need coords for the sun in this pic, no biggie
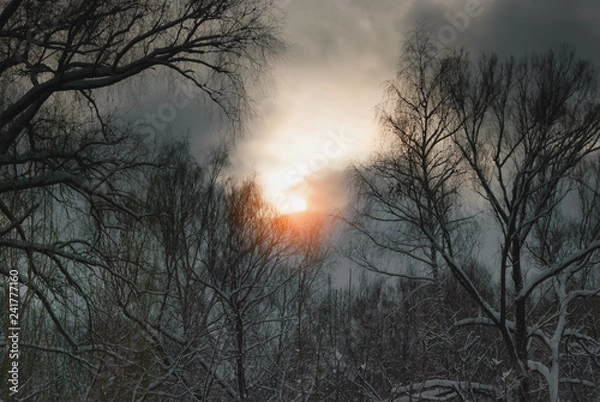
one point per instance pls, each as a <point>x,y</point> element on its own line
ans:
<point>293,203</point>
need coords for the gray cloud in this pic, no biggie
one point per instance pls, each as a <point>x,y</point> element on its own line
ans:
<point>518,27</point>
<point>159,105</point>
<point>326,32</point>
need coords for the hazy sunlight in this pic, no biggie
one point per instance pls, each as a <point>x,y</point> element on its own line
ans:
<point>292,203</point>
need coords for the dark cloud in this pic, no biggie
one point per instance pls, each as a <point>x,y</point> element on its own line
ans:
<point>516,26</point>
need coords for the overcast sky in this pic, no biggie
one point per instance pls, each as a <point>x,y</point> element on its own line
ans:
<point>317,113</point>
<point>320,112</point>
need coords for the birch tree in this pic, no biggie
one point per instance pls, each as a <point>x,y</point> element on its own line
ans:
<point>411,184</point>
<point>410,211</point>
<point>522,129</point>
<point>525,127</point>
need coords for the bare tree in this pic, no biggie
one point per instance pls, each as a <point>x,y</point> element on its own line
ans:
<point>411,184</point>
<point>521,129</point>
<point>54,57</point>
<point>228,257</point>
<point>409,211</point>
<point>253,256</point>
<point>525,127</point>
<point>64,162</point>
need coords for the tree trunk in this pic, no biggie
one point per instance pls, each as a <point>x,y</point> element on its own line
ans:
<point>522,354</point>
<point>240,359</point>
<point>520,324</point>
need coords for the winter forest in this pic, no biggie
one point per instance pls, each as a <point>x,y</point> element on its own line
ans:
<point>136,270</point>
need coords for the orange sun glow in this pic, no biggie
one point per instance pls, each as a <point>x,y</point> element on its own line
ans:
<point>293,203</point>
